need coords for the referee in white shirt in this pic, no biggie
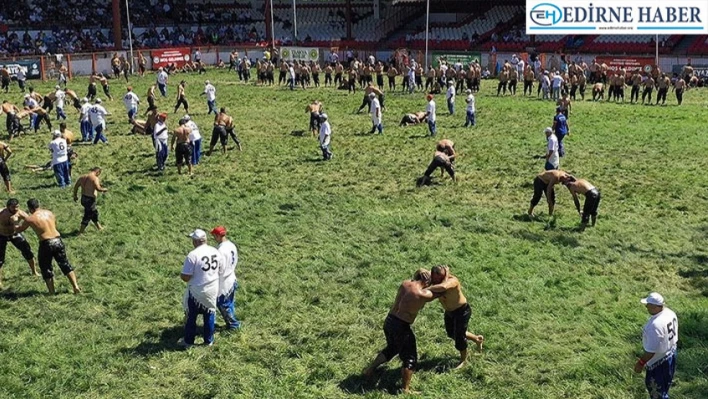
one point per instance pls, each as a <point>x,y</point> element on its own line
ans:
<point>659,338</point>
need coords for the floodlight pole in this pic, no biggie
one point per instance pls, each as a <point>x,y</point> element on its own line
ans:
<point>656,43</point>
<point>272,27</point>
<point>427,25</point>
<point>295,22</point>
<point>130,37</point>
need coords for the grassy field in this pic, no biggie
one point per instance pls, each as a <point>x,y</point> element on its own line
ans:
<point>324,245</point>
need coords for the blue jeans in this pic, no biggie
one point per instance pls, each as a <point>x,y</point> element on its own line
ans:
<point>561,147</point>
<point>61,172</point>
<point>86,131</point>
<point>60,114</point>
<point>99,135</point>
<point>378,128</point>
<point>292,83</point>
<point>131,113</point>
<point>190,327</point>
<point>161,154</point>
<point>550,166</point>
<point>227,305</point>
<point>659,379</point>
<point>431,127</point>
<point>163,89</point>
<point>196,151</point>
<point>326,152</point>
<point>212,107</point>
<point>451,106</point>
<point>470,121</point>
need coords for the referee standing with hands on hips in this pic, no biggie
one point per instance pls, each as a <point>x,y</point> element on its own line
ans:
<point>659,339</point>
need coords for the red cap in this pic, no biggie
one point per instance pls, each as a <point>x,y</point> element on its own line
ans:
<point>430,96</point>
<point>162,115</point>
<point>219,231</point>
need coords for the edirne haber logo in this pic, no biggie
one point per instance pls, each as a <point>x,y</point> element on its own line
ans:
<point>638,17</point>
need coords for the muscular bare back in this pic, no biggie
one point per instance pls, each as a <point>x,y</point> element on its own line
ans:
<point>44,224</point>
<point>411,298</point>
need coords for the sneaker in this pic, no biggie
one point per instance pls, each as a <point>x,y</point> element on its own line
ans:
<point>182,344</point>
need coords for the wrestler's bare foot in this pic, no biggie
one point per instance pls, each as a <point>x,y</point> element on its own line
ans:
<point>77,290</point>
<point>461,365</point>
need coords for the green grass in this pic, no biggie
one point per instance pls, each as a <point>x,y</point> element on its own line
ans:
<point>323,247</point>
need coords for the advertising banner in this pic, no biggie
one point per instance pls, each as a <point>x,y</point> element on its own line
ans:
<point>453,58</point>
<point>31,68</point>
<point>645,64</point>
<point>163,57</point>
<point>300,54</point>
<point>698,70</point>
<point>617,17</point>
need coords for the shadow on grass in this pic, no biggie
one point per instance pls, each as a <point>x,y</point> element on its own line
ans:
<point>14,296</point>
<point>43,186</point>
<point>156,342</point>
<point>297,133</point>
<point>388,379</point>
<point>524,217</point>
<point>418,136</point>
<point>364,134</point>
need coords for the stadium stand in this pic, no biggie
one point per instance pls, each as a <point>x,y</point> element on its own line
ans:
<point>30,27</point>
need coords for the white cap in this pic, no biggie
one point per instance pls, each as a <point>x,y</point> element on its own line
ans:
<point>469,91</point>
<point>548,130</point>
<point>57,87</point>
<point>27,96</point>
<point>206,82</point>
<point>372,95</point>
<point>56,134</point>
<point>653,299</point>
<point>187,118</point>
<point>198,234</point>
<point>84,100</point>
<point>324,117</point>
<point>98,101</point>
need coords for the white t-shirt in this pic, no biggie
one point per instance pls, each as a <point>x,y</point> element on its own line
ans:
<point>130,100</point>
<point>31,103</point>
<point>195,134</point>
<point>557,81</point>
<point>553,146</point>
<point>325,133</point>
<point>85,112</point>
<point>210,92</point>
<point>205,263</point>
<point>375,111</point>
<point>230,253</point>
<point>520,67</point>
<point>470,103</point>
<point>450,93</point>
<point>60,95</point>
<point>58,147</point>
<point>660,335</point>
<point>162,77</point>
<point>161,133</point>
<point>431,111</point>
<point>545,82</point>
<point>291,71</point>
<point>96,113</point>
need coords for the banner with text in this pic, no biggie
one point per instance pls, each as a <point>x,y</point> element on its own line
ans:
<point>163,57</point>
<point>631,64</point>
<point>31,68</point>
<point>300,54</point>
<point>453,58</point>
<point>613,17</point>
<point>698,70</point>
